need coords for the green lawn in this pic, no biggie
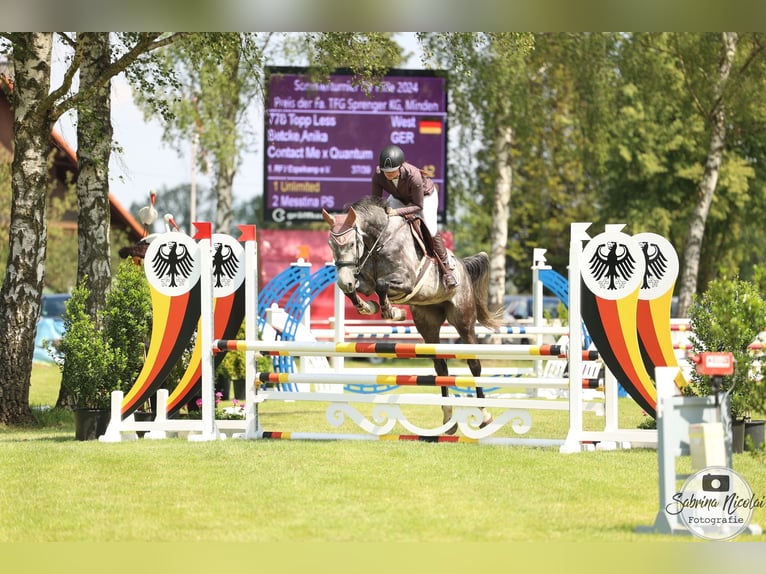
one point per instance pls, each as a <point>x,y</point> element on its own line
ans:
<point>54,488</point>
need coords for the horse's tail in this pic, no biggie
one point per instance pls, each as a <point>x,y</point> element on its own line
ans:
<point>477,267</point>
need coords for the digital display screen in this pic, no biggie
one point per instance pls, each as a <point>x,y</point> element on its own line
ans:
<point>322,139</point>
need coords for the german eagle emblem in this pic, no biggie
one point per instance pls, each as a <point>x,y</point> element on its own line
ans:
<point>656,264</point>
<point>225,265</point>
<point>612,265</point>
<point>172,263</point>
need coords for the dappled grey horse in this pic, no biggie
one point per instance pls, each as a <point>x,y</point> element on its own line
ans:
<point>377,252</point>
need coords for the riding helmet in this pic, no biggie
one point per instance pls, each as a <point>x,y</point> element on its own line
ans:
<point>391,157</point>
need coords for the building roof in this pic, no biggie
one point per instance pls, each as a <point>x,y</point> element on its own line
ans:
<point>65,162</point>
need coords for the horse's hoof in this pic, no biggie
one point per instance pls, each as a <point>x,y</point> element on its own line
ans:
<point>398,314</point>
<point>452,430</point>
<point>369,308</point>
<point>487,418</point>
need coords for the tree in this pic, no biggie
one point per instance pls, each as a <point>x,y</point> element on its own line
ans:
<point>485,88</point>
<point>36,108</point>
<point>94,137</point>
<point>713,109</point>
<point>671,168</point>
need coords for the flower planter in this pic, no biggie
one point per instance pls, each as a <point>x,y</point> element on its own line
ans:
<point>239,389</point>
<point>223,386</point>
<point>89,424</point>
<point>738,435</point>
<point>754,430</point>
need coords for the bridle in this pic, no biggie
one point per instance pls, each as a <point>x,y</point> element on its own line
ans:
<point>361,253</point>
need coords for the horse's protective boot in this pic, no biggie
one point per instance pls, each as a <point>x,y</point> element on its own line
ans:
<point>442,257</point>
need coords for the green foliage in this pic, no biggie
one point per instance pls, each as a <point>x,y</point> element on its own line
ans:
<point>107,353</point>
<point>728,317</point>
<point>89,360</point>
<point>127,319</point>
<point>60,268</point>
<point>233,364</point>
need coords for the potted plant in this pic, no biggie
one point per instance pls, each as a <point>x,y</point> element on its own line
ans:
<point>728,317</point>
<point>104,354</point>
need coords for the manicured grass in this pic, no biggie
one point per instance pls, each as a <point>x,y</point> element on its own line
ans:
<point>57,489</point>
<point>45,383</point>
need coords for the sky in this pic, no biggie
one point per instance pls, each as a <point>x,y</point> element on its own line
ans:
<point>147,163</point>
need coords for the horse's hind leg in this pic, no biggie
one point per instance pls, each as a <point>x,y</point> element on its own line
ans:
<point>428,321</point>
<point>475,366</point>
<point>465,326</point>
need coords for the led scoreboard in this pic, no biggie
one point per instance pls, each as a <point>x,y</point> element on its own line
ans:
<point>322,138</point>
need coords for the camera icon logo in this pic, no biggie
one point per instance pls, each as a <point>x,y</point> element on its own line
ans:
<point>715,503</point>
<point>716,483</point>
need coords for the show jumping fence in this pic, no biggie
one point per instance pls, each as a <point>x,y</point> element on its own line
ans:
<point>510,409</point>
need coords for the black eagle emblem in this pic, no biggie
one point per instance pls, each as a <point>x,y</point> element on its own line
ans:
<point>612,265</point>
<point>171,262</point>
<point>656,264</point>
<point>225,265</point>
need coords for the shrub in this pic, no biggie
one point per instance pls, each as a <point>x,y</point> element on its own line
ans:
<point>728,317</point>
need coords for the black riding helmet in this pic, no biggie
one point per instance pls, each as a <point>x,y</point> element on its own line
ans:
<point>391,157</point>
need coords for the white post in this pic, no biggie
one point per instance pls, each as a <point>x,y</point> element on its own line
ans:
<point>538,263</point>
<point>340,324</point>
<point>114,430</point>
<point>252,421</point>
<point>572,442</point>
<point>209,430</point>
<point>159,425</point>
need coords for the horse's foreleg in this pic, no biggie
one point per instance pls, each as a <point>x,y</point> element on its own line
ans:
<point>363,306</point>
<point>387,310</point>
<point>486,417</point>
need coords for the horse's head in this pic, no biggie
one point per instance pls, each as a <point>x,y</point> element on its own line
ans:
<point>347,248</point>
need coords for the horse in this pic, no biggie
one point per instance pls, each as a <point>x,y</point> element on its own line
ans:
<point>377,252</point>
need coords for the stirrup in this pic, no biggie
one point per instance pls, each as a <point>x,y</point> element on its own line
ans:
<point>450,281</point>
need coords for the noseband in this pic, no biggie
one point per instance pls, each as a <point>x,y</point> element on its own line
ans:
<point>349,235</point>
<point>352,234</point>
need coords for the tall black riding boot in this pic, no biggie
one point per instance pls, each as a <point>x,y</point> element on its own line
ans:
<point>448,277</point>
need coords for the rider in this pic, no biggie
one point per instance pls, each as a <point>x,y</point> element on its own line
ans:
<point>411,191</point>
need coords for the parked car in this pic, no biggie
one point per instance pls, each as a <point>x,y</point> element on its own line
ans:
<point>520,308</point>
<point>54,305</point>
<point>50,327</point>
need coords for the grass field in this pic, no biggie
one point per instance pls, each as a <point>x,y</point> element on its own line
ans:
<point>57,489</point>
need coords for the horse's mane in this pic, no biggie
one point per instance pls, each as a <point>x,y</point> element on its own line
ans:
<point>368,204</point>
<point>371,208</point>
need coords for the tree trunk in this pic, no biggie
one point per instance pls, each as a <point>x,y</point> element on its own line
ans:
<point>94,143</point>
<point>500,214</point>
<point>693,248</point>
<point>224,193</point>
<point>226,154</point>
<point>23,284</point>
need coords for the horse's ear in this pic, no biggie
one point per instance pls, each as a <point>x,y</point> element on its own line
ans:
<point>328,218</point>
<point>351,217</point>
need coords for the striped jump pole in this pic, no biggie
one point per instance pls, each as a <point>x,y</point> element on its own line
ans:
<point>449,331</point>
<point>392,350</point>
<point>419,380</point>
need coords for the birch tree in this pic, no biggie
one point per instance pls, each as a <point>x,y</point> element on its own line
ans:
<point>36,107</point>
